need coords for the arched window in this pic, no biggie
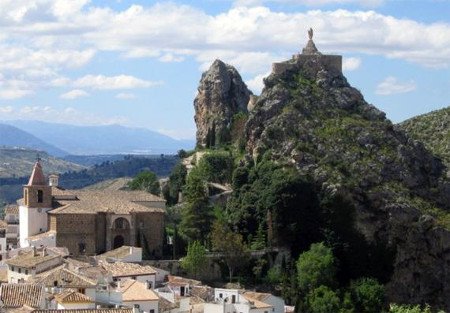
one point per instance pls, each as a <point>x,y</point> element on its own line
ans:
<point>121,223</point>
<point>40,196</point>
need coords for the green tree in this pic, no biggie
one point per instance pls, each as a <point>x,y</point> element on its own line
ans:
<point>195,259</point>
<point>145,180</point>
<point>316,267</point>
<point>177,180</point>
<point>323,300</point>
<point>395,308</point>
<point>231,245</point>
<point>368,295</point>
<point>196,214</point>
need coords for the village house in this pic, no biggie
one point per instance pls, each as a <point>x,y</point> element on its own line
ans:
<point>51,216</point>
<point>122,254</point>
<point>61,280</point>
<point>17,295</point>
<point>235,300</point>
<point>12,230</point>
<point>28,264</point>
<point>3,244</point>
<point>71,299</point>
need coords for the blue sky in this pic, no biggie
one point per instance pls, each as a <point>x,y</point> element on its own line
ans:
<point>138,63</point>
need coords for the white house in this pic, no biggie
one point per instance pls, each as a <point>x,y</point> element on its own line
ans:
<point>70,299</point>
<point>234,300</point>
<point>139,295</point>
<point>122,254</point>
<point>30,263</point>
<point>12,230</point>
<point>120,271</point>
<point>62,280</point>
<point>3,244</point>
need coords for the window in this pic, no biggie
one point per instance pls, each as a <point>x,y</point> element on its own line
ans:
<point>55,283</point>
<point>220,295</point>
<point>152,311</point>
<point>12,268</point>
<point>40,196</point>
<point>133,277</point>
<point>26,272</point>
<point>233,299</point>
<point>20,270</point>
<point>82,290</point>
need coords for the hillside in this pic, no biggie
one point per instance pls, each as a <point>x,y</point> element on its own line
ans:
<point>433,129</point>
<point>16,162</point>
<point>11,136</point>
<point>108,139</point>
<point>320,164</point>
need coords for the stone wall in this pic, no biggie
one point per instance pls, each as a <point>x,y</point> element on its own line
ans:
<point>329,62</point>
<point>75,229</point>
<point>151,225</point>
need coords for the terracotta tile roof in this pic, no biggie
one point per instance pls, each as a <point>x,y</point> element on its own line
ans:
<point>37,177</point>
<point>3,275</point>
<point>23,309</point>
<point>117,253</point>
<point>166,305</point>
<point>12,209</point>
<point>123,310</point>
<point>29,260</point>
<point>256,303</point>
<point>72,296</point>
<point>64,278</point>
<point>3,224</point>
<point>119,269</point>
<point>119,202</point>
<point>133,290</point>
<point>181,281</point>
<point>17,295</point>
<point>261,296</point>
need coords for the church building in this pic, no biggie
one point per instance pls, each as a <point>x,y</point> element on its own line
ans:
<point>89,222</point>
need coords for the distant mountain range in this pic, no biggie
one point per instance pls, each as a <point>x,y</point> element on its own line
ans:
<point>89,140</point>
<point>11,136</point>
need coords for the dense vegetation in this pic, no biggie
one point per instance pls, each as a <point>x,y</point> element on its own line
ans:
<point>433,129</point>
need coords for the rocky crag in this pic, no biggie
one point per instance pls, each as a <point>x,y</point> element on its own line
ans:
<point>221,95</point>
<point>433,129</point>
<point>308,116</point>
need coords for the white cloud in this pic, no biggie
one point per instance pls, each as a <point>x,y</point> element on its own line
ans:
<point>113,82</point>
<point>125,96</point>
<point>391,86</point>
<point>256,84</point>
<point>74,94</point>
<point>42,39</point>
<point>169,57</point>
<point>6,109</point>
<point>67,115</point>
<point>351,64</point>
<point>14,89</point>
<point>312,3</point>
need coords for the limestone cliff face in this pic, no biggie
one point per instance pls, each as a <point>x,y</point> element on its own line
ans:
<point>221,95</point>
<point>309,116</point>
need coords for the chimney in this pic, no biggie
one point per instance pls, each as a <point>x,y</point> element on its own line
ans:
<point>44,251</point>
<point>53,180</point>
<point>34,251</point>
